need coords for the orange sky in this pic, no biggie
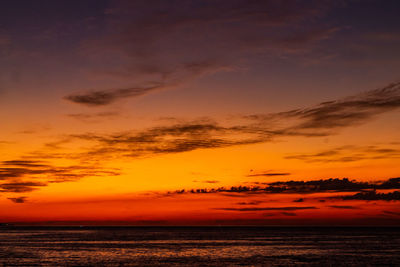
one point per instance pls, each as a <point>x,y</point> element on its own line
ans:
<point>110,108</point>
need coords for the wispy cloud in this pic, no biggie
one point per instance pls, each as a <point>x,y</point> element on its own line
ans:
<point>324,119</point>
<point>166,45</point>
<point>391,212</point>
<point>350,154</point>
<point>343,207</point>
<point>373,195</point>
<point>249,203</point>
<point>269,174</point>
<point>206,181</point>
<point>327,117</point>
<point>93,117</point>
<point>267,208</point>
<point>168,139</point>
<point>105,97</point>
<point>20,187</point>
<point>18,200</point>
<point>19,176</point>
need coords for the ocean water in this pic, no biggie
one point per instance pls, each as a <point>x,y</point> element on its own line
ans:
<point>199,246</point>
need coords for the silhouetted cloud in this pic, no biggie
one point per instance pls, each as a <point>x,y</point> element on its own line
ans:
<point>25,163</point>
<point>343,207</point>
<point>322,185</point>
<point>392,183</point>
<point>20,187</point>
<point>104,97</point>
<point>307,187</point>
<point>269,174</point>
<point>249,203</point>
<point>268,208</point>
<point>391,212</point>
<point>17,176</point>
<point>289,213</point>
<point>207,181</point>
<point>326,117</point>
<point>373,195</point>
<point>168,139</point>
<point>18,200</point>
<point>322,120</point>
<point>351,110</point>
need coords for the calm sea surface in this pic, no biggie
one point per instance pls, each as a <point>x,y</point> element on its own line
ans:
<point>199,246</point>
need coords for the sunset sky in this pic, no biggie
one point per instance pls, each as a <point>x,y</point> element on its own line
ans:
<point>200,112</point>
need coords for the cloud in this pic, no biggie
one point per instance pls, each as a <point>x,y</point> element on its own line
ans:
<point>18,200</point>
<point>93,117</point>
<point>327,117</point>
<point>268,208</point>
<point>391,212</point>
<point>33,129</point>
<point>269,174</point>
<point>25,163</point>
<point>343,207</point>
<point>105,97</point>
<point>20,187</point>
<point>324,119</point>
<point>171,44</point>
<point>392,183</point>
<point>322,185</point>
<point>350,154</point>
<point>307,187</point>
<point>351,110</point>
<point>176,138</point>
<point>373,195</point>
<point>207,181</point>
<point>18,176</point>
<point>249,203</point>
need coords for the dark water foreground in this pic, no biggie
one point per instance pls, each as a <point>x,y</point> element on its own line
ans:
<point>199,246</point>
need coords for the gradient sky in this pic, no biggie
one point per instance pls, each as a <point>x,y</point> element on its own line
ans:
<point>200,112</point>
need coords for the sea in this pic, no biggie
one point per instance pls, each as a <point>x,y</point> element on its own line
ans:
<point>199,246</point>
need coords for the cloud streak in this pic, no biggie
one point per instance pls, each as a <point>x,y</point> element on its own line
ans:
<point>18,200</point>
<point>20,187</point>
<point>164,43</point>
<point>343,207</point>
<point>373,195</point>
<point>20,176</point>
<point>310,187</point>
<point>105,97</point>
<point>93,117</point>
<point>350,154</point>
<point>269,174</point>
<point>268,208</point>
<point>324,119</point>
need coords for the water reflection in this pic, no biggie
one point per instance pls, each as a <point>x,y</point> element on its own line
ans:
<point>199,246</point>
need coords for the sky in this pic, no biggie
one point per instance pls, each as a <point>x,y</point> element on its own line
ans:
<point>211,112</point>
